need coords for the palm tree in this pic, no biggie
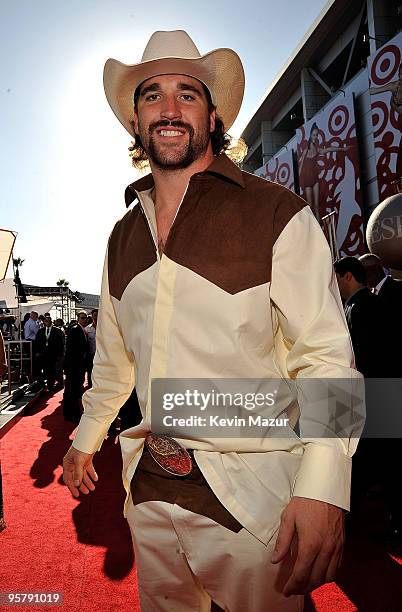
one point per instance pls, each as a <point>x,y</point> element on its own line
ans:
<point>17,263</point>
<point>62,282</point>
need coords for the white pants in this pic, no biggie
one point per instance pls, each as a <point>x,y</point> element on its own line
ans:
<point>184,560</point>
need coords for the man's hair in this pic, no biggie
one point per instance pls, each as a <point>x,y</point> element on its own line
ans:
<point>373,267</point>
<point>371,259</point>
<point>81,312</point>
<point>352,265</point>
<point>220,140</point>
<point>94,310</point>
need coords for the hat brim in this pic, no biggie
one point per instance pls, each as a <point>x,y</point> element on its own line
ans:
<point>220,70</point>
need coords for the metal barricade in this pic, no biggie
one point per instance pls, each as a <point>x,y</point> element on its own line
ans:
<point>19,361</point>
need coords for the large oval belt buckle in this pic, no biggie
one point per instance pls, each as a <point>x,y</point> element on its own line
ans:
<point>169,454</point>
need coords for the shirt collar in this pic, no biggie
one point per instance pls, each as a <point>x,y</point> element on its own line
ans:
<point>221,166</point>
<point>350,299</point>
<point>380,284</point>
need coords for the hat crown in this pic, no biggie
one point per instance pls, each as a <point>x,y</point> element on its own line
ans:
<point>176,43</point>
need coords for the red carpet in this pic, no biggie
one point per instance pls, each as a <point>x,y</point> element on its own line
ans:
<point>83,548</point>
<point>54,542</point>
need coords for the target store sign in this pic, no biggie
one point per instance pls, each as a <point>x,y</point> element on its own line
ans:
<point>329,171</point>
<point>385,73</point>
<point>279,170</point>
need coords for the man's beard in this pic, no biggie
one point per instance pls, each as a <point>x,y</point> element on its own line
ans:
<point>174,158</point>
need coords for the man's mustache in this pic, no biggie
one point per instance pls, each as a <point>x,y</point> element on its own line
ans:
<point>165,123</point>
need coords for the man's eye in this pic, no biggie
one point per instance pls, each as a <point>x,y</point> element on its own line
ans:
<point>151,97</point>
<point>187,97</point>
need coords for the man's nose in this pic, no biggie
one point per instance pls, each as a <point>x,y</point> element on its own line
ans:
<point>170,108</point>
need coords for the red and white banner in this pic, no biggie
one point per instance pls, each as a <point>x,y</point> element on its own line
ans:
<point>329,172</point>
<point>385,74</point>
<point>7,239</point>
<point>279,170</point>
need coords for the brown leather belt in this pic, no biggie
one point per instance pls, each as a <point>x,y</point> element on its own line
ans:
<point>152,482</point>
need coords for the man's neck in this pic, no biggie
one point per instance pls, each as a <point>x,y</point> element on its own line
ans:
<point>353,291</point>
<point>170,185</point>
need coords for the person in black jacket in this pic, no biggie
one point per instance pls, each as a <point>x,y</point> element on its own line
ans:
<point>75,363</point>
<point>48,349</point>
<point>364,314</point>
<point>382,284</point>
<point>374,337</point>
<point>389,292</point>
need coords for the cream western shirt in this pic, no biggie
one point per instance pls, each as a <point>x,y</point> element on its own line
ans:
<point>244,289</point>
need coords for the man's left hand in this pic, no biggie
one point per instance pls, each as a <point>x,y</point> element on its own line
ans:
<point>319,529</point>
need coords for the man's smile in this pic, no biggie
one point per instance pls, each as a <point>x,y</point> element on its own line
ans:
<point>169,133</point>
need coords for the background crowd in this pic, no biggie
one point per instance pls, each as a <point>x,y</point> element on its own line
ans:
<point>62,354</point>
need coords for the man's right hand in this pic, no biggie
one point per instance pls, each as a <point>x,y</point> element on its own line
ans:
<point>79,472</point>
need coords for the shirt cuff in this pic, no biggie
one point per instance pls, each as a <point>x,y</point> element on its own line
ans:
<point>325,475</point>
<point>90,435</point>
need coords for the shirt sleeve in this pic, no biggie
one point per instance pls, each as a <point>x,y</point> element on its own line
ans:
<point>27,329</point>
<point>112,376</point>
<point>311,322</point>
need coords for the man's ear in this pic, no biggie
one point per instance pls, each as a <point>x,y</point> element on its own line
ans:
<point>212,121</point>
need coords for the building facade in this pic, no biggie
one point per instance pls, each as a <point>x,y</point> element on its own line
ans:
<point>340,91</point>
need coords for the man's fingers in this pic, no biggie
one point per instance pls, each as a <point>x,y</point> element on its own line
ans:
<point>84,486</point>
<point>68,477</point>
<point>311,569</point>
<point>334,565</point>
<point>320,536</point>
<point>91,471</point>
<point>84,489</point>
<point>86,480</point>
<point>78,472</point>
<point>284,539</point>
<point>318,575</point>
<point>300,576</point>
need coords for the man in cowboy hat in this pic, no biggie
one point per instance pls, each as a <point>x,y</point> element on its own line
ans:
<point>199,280</point>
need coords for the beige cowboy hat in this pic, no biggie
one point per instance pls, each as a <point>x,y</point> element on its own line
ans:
<point>174,52</point>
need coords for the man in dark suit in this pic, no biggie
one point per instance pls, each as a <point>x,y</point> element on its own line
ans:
<point>363,313</point>
<point>381,283</point>
<point>48,350</point>
<point>389,292</point>
<point>75,363</point>
<point>374,335</point>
